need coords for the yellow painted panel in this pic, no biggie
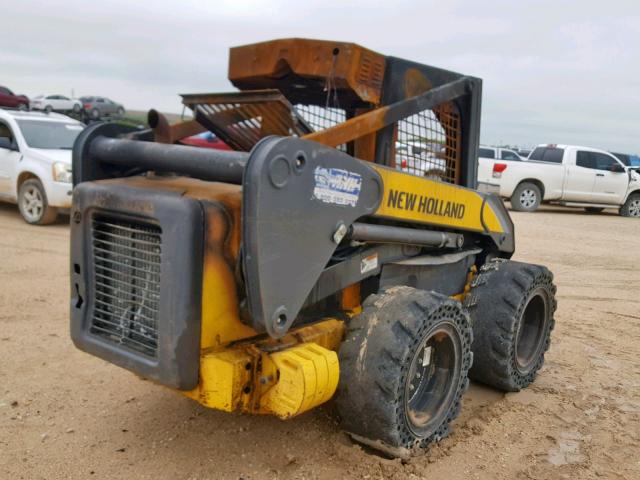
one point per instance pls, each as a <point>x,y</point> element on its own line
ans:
<point>221,322</point>
<point>409,197</point>
<point>299,374</point>
<point>309,376</point>
<point>223,375</point>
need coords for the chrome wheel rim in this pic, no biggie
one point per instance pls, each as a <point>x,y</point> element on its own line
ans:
<point>32,204</point>
<point>634,208</point>
<point>528,198</point>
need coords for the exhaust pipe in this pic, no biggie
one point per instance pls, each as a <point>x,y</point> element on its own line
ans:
<point>206,164</point>
<point>164,132</point>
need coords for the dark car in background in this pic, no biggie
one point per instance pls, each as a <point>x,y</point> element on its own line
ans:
<point>11,100</point>
<point>96,108</point>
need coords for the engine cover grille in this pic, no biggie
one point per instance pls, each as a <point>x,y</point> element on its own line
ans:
<point>127,261</point>
<point>136,271</point>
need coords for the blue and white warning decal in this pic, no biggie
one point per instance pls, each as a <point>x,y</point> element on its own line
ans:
<point>337,186</point>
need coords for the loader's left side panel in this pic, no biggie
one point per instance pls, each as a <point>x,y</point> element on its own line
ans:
<point>136,280</point>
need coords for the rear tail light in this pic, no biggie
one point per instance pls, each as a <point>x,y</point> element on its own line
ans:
<point>498,168</point>
<point>87,106</point>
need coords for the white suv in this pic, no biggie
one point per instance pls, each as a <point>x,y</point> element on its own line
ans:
<point>35,162</point>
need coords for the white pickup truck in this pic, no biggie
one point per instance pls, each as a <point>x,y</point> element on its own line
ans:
<point>567,175</point>
<point>488,173</point>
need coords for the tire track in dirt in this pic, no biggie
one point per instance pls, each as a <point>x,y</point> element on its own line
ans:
<point>65,414</point>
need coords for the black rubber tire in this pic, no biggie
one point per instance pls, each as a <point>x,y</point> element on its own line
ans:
<point>23,107</point>
<point>376,357</point>
<point>517,201</point>
<point>48,109</point>
<point>95,114</point>
<point>120,112</point>
<point>630,207</point>
<point>594,209</point>
<point>76,108</point>
<point>48,215</point>
<point>511,305</point>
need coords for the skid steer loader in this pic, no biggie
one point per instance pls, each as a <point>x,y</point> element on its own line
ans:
<point>339,250</point>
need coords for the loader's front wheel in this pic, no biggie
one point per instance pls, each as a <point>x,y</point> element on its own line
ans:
<point>403,369</point>
<point>511,306</point>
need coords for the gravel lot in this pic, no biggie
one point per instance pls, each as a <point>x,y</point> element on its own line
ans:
<point>65,414</point>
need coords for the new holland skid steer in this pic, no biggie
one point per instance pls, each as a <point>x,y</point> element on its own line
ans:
<point>339,250</point>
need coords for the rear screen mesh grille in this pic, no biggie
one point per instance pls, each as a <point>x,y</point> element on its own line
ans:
<point>127,259</point>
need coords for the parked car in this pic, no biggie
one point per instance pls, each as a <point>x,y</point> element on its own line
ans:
<point>572,176</point>
<point>205,140</point>
<point>99,107</point>
<point>421,158</point>
<point>56,103</point>
<point>11,100</point>
<point>35,162</point>
<point>491,163</point>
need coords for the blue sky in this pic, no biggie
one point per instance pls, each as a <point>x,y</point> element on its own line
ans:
<point>553,71</point>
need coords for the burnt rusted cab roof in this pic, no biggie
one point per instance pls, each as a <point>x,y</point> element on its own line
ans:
<point>303,70</point>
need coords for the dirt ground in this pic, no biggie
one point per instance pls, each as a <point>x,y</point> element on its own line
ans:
<point>65,414</point>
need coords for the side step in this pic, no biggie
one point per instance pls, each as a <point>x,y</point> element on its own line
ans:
<point>583,205</point>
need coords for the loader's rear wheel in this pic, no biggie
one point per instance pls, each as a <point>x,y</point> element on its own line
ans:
<point>403,369</point>
<point>511,306</point>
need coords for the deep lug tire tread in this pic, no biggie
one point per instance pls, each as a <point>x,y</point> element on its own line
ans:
<point>496,304</point>
<point>375,359</point>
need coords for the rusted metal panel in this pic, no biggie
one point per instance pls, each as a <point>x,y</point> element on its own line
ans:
<point>300,68</point>
<point>449,117</point>
<point>241,119</point>
<point>227,196</point>
<point>164,132</point>
<point>381,117</point>
<point>364,147</point>
<point>384,109</point>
